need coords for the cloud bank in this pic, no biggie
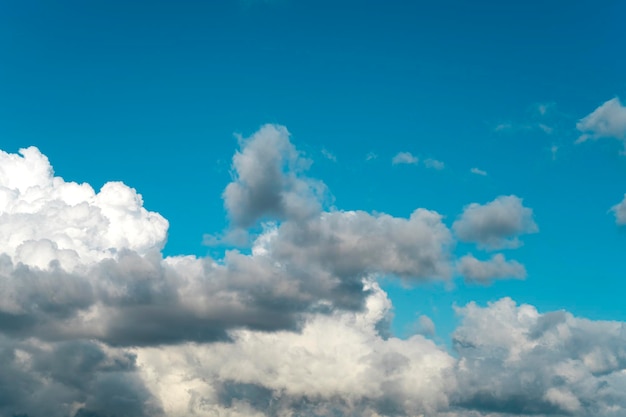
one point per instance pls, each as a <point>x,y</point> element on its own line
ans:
<point>95,321</point>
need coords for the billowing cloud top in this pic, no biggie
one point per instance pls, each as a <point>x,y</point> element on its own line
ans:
<point>45,219</point>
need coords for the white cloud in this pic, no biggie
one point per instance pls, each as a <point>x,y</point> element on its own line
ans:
<point>497,224</point>
<point>44,218</point>
<point>434,164</point>
<point>478,172</point>
<point>620,211</point>
<point>607,121</point>
<point>495,268</point>
<point>404,158</point>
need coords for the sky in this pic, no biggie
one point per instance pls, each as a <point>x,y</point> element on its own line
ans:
<point>312,208</point>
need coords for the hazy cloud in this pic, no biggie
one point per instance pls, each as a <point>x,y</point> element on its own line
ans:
<point>434,164</point>
<point>497,224</point>
<point>620,211</point>
<point>404,158</point>
<point>478,172</point>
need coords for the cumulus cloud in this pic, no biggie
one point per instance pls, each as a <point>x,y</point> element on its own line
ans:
<point>44,219</point>
<point>607,121</point>
<point>337,365</point>
<point>95,322</point>
<point>514,360</point>
<point>497,224</point>
<point>497,267</point>
<point>268,180</point>
<point>478,172</point>
<point>620,211</point>
<point>404,158</point>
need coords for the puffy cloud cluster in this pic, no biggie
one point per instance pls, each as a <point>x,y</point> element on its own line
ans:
<point>44,219</point>
<point>94,321</point>
<point>514,360</point>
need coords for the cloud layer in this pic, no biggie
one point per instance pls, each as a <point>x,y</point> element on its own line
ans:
<point>95,321</point>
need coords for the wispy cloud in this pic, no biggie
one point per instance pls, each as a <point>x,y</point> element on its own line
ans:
<point>478,172</point>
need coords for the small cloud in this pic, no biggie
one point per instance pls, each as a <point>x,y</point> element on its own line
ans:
<point>545,128</point>
<point>425,326</point>
<point>329,155</point>
<point>554,149</point>
<point>497,267</point>
<point>503,127</point>
<point>478,172</point>
<point>607,121</point>
<point>404,158</point>
<point>497,224</point>
<point>434,164</point>
<point>543,108</point>
<point>620,212</point>
<point>370,156</point>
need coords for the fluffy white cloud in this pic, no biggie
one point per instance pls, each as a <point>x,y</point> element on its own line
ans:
<point>495,268</point>
<point>404,158</point>
<point>44,219</point>
<point>497,224</point>
<point>620,211</point>
<point>607,121</point>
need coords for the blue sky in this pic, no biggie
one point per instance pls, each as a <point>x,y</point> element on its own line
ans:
<point>490,98</point>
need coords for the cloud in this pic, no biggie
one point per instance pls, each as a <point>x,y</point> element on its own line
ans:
<point>497,224</point>
<point>268,180</point>
<point>485,271</point>
<point>620,211</point>
<point>478,172</point>
<point>337,365</point>
<point>95,321</point>
<point>404,158</point>
<point>607,121</point>
<point>47,219</point>
<point>371,156</point>
<point>329,155</point>
<point>434,164</point>
<point>514,360</point>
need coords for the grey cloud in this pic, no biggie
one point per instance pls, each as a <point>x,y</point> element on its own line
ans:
<point>514,360</point>
<point>497,267</point>
<point>268,180</point>
<point>497,224</point>
<point>354,243</point>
